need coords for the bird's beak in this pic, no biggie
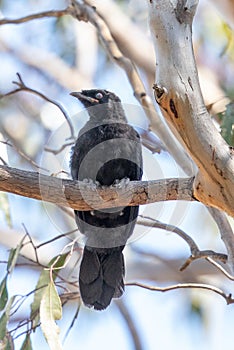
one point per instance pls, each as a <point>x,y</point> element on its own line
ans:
<point>83,97</point>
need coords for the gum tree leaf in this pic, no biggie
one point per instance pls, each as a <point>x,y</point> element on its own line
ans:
<point>4,321</point>
<point>51,310</point>
<point>27,345</point>
<point>42,283</point>
<point>13,256</point>
<point>3,293</point>
<point>227,124</point>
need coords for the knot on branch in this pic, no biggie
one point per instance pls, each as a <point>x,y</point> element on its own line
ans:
<point>184,13</point>
<point>79,11</point>
<point>159,92</point>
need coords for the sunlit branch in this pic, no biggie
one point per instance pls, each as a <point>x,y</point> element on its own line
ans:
<point>88,196</point>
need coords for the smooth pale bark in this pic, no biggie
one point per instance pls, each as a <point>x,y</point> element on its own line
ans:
<point>178,94</point>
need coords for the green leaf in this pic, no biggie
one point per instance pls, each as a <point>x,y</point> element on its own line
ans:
<point>43,282</point>
<point>4,320</point>
<point>5,207</point>
<point>227,124</point>
<point>27,345</point>
<point>51,310</point>
<point>3,293</point>
<point>13,256</point>
<point>3,326</point>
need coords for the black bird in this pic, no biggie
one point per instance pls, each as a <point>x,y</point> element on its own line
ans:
<point>106,151</point>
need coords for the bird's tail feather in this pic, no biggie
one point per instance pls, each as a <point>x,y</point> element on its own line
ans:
<point>101,276</point>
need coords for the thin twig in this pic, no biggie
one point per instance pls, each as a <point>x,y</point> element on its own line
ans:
<point>73,321</point>
<point>23,155</point>
<point>34,16</point>
<point>220,268</point>
<point>226,233</point>
<point>31,242</point>
<point>2,160</point>
<point>56,238</point>
<point>23,87</point>
<point>57,151</point>
<point>227,297</point>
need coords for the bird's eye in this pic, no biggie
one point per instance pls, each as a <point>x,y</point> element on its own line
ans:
<point>99,95</point>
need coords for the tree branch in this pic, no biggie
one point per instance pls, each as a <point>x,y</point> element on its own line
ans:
<point>227,297</point>
<point>22,87</point>
<point>86,196</point>
<point>226,234</point>
<point>31,17</point>
<point>178,94</point>
<point>196,253</point>
<point>130,322</point>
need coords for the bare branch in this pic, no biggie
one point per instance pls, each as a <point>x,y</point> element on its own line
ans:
<point>3,161</point>
<point>83,196</point>
<point>220,268</point>
<point>196,253</point>
<point>23,87</point>
<point>33,16</point>
<point>62,235</point>
<point>227,297</point>
<point>226,234</point>
<point>150,141</point>
<point>129,319</point>
<point>32,244</point>
<point>60,149</point>
<point>23,155</point>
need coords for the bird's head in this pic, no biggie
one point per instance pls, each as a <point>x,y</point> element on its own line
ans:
<point>95,96</point>
<point>101,104</point>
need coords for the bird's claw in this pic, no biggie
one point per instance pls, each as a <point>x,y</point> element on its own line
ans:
<point>91,184</point>
<point>121,183</point>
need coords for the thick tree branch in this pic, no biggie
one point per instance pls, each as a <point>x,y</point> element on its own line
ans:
<point>86,196</point>
<point>178,93</point>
